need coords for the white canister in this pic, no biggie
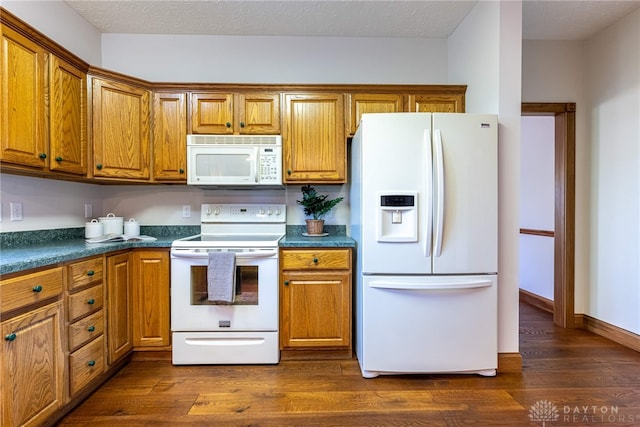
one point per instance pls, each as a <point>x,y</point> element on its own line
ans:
<point>112,224</point>
<point>93,229</point>
<point>132,228</point>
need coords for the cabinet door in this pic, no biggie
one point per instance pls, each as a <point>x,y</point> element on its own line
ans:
<point>121,130</point>
<point>68,111</point>
<point>23,122</point>
<point>440,103</point>
<point>33,366</point>
<point>259,113</point>
<point>313,139</point>
<point>211,112</point>
<point>316,309</point>
<point>151,326</point>
<point>361,103</point>
<point>170,136</point>
<point>119,307</point>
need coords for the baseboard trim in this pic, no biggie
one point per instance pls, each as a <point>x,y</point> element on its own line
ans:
<point>536,301</point>
<point>614,333</point>
<point>509,363</point>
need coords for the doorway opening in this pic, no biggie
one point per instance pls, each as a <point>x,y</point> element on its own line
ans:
<point>564,206</point>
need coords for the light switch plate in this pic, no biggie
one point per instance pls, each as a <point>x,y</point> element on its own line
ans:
<point>16,211</point>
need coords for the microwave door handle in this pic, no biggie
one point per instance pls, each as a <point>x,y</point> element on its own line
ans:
<point>254,164</point>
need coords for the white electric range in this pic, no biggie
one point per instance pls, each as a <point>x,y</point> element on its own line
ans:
<point>245,332</point>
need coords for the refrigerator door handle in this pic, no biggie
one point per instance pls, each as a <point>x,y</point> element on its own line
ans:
<point>439,208</point>
<point>429,203</point>
<point>443,286</point>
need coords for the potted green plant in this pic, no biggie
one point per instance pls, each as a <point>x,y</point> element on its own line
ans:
<point>316,206</point>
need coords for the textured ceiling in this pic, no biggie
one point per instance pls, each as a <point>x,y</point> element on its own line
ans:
<point>542,19</point>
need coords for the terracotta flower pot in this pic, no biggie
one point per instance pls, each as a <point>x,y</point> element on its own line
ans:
<point>315,226</point>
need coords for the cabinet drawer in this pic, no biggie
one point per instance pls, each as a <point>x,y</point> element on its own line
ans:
<point>85,272</point>
<point>85,302</point>
<point>85,330</point>
<point>31,288</point>
<point>86,364</point>
<point>316,259</point>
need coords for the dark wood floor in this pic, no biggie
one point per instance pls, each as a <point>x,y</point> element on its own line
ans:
<point>569,378</point>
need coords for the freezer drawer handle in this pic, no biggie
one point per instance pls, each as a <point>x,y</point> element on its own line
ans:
<point>449,286</point>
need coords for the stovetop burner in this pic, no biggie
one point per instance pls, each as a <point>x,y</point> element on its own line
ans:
<point>237,225</point>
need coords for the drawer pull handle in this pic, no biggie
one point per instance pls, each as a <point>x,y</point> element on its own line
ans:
<point>315,260</point>
<point>37,288</point>
<point>91,328</point>
<point>91,301</point>
<point>90,273</point>
<point>91,363</point>
<point>10,337</point>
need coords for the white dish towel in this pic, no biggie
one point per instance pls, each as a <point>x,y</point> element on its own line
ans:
<point>221,277</point>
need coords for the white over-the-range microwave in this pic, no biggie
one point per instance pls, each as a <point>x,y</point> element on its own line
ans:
<point>234,160</point>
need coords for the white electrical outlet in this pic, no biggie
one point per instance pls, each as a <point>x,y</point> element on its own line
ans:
<point>16,211</point>
<point>88,210</point>
<point>186,211</point>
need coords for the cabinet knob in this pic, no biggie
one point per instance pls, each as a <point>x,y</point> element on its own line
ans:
<point>37,288</point>
<point>90,273</point>
<point>42,155</point>
<point>99,166</point>
<point>286,283</point>
<point>91,301</point>
<point>91,328</point>
<point>10,337</point>
<point>315,260</point>
<point>181,170</point>
<point>91,363</point>
<point>241,124</point>
<point>228,124</point>
<point>288,171</point>
<point>58,159</point>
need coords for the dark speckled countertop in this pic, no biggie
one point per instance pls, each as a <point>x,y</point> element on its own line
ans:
<point>336,238</point>
<point>21,251</point>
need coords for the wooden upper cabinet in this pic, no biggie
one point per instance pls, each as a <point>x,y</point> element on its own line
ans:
<point>361,103</point>
<point>121,130</point>
<point>68,111</point>
<point>170,136</point>
<point>23,123</point>
<point>259,113</point>
<point>437,103</point>
<point>313,138</point>
<point>241,113</point>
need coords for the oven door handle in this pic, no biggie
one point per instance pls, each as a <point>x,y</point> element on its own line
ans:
<point>243,255</point>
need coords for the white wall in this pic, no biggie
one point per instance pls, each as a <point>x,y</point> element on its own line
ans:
<point>61,24</point>
<point>613,81</point>
<point>555,71</point>
<point>485,51</point>
<point>47,203</point>
<point>249,59</point>
<point>537,204</point>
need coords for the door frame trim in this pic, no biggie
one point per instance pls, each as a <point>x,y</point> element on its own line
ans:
<point>564,211</point>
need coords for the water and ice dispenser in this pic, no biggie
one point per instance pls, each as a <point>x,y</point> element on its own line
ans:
<point>397,217</point>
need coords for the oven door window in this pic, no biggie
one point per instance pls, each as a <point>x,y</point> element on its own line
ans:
<point>246,285</point>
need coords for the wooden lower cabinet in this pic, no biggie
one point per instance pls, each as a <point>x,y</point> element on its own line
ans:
<point>119,306</point>
<point>32,366</point>
<point>85,322</point>
<point>151,322</point>
<point>315,303</point>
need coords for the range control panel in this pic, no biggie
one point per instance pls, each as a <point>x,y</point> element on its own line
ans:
<point>238,213</point>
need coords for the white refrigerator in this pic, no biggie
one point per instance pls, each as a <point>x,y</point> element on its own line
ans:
<point>424,215</point>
